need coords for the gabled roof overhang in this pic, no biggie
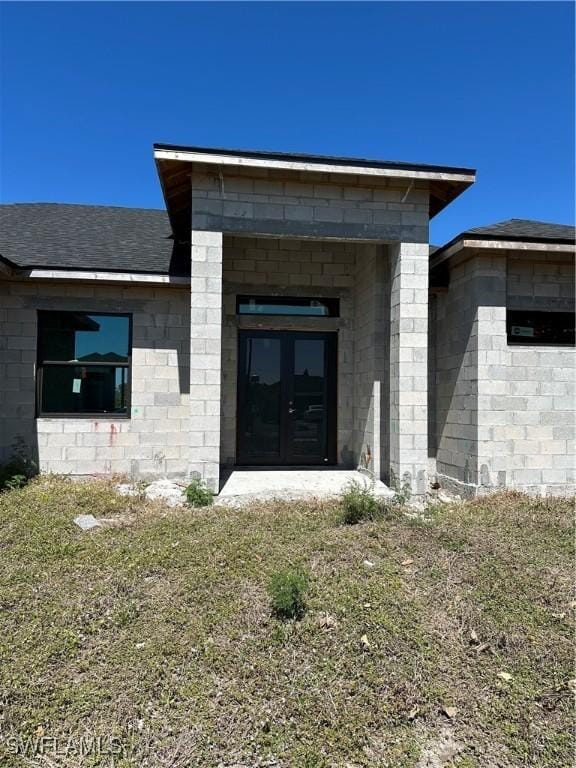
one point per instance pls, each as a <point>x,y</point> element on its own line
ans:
<point>173,162</point>
<point>465,243</point>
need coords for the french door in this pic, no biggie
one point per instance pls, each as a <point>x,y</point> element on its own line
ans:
<point>286,398</point>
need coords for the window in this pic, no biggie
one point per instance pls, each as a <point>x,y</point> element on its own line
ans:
<point>527,327</point>
<point>83,364</point>
<point>287,305</point>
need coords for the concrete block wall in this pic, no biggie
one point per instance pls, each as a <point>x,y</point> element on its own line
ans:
<point>371,361</point>
<point>505,413</point>
<point>541,281</point>
<point>495,441</point>
<point>205,334</point>
<point>309,204</point>
<point>288,267</point>
<point>154,442</point>
<point>538,381</point>
<point>455,380</point>
<point>318,207</point>
<point>366,443</point>
<point>540,415</point>
<point>409,364</point>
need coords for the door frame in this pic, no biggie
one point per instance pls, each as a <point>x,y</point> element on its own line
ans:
<point>286,456</point>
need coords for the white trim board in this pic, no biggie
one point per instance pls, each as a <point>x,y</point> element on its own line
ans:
<point>106,277</point>
<point>499,245</point>
<point>299,165</point>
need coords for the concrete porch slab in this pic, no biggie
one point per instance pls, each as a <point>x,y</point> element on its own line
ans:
<point>245,485</point>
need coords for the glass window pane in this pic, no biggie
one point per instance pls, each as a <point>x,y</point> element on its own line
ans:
<point>77,389</point>
<point>527,327</point>
<point>262,369</point>
<point>75,336</point>
<point>289,305</point>
<point>310,425</point>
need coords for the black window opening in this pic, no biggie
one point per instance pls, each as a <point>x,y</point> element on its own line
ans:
<point>83,364</point>
<point>528,327</point>
<point>287,305</point>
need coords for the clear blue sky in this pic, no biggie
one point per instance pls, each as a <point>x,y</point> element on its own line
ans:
<point>87,89</point>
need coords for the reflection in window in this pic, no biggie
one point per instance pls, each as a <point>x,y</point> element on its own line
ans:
<point>287,305</point>
<point>310,425</point>
<point>528,327</point>
<point>83,363</point>
<point>261,409</point>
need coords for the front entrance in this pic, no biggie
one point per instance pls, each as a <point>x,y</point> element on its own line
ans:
<point>286,398</point>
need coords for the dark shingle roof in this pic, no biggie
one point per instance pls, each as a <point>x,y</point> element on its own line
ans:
<point>514,230</point>
<point>523,230</point>
<point>114,239</point>
<point>91,237</point>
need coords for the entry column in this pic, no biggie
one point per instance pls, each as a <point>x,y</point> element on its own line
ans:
<point>205,356</point>
<point>409,364</point>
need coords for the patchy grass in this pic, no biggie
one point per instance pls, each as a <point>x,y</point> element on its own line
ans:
<point>154,634</point>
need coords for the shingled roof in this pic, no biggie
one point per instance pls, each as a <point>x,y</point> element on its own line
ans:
<point>90,237</point>
<point>139,240</point>
<point>523,230</point>
<point>510,231</point>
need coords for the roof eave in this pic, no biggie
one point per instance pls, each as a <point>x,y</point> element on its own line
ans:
<point>466,242</point>
<point>446,183</point>
<point>235,155</point>
<point>300,161</point>
<point>68,274</point>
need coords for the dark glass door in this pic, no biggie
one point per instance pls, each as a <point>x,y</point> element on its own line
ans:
<point>286,398</point>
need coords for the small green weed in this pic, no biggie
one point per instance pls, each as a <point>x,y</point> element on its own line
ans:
<point>402,490</point>
<point>358,503</point>
<point>197,495</point>
<point>287,590</point>
<point>10,480</point>
<point>16,472</point>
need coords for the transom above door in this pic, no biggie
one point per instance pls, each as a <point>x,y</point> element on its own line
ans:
<point>286,398</point>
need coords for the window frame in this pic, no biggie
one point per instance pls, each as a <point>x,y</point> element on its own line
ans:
<point>531,341</point>
<point>41,363</point>
<point>332,303</point>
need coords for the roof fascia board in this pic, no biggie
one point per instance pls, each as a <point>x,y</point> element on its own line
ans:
<point>318,167</point>
<point>508,245</point>
<point>135,278</point>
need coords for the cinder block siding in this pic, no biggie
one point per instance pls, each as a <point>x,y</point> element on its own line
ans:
<point>268,202</point>
<point>337,211</point>
<point>272,266</point>
<point>205,333</point>
<point>409,266</point>
<point>505,414</point>
<point>455,379</point>
<point>540,381</point>
<point>366,400</point>
<point>539,403</point>
<point>371,356</point>
<point>543,281</point>
<point>154,441</point>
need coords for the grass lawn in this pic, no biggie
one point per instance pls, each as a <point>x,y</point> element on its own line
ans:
<point>444,641</point>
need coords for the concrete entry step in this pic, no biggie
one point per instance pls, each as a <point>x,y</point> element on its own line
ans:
<point>244,485</point>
